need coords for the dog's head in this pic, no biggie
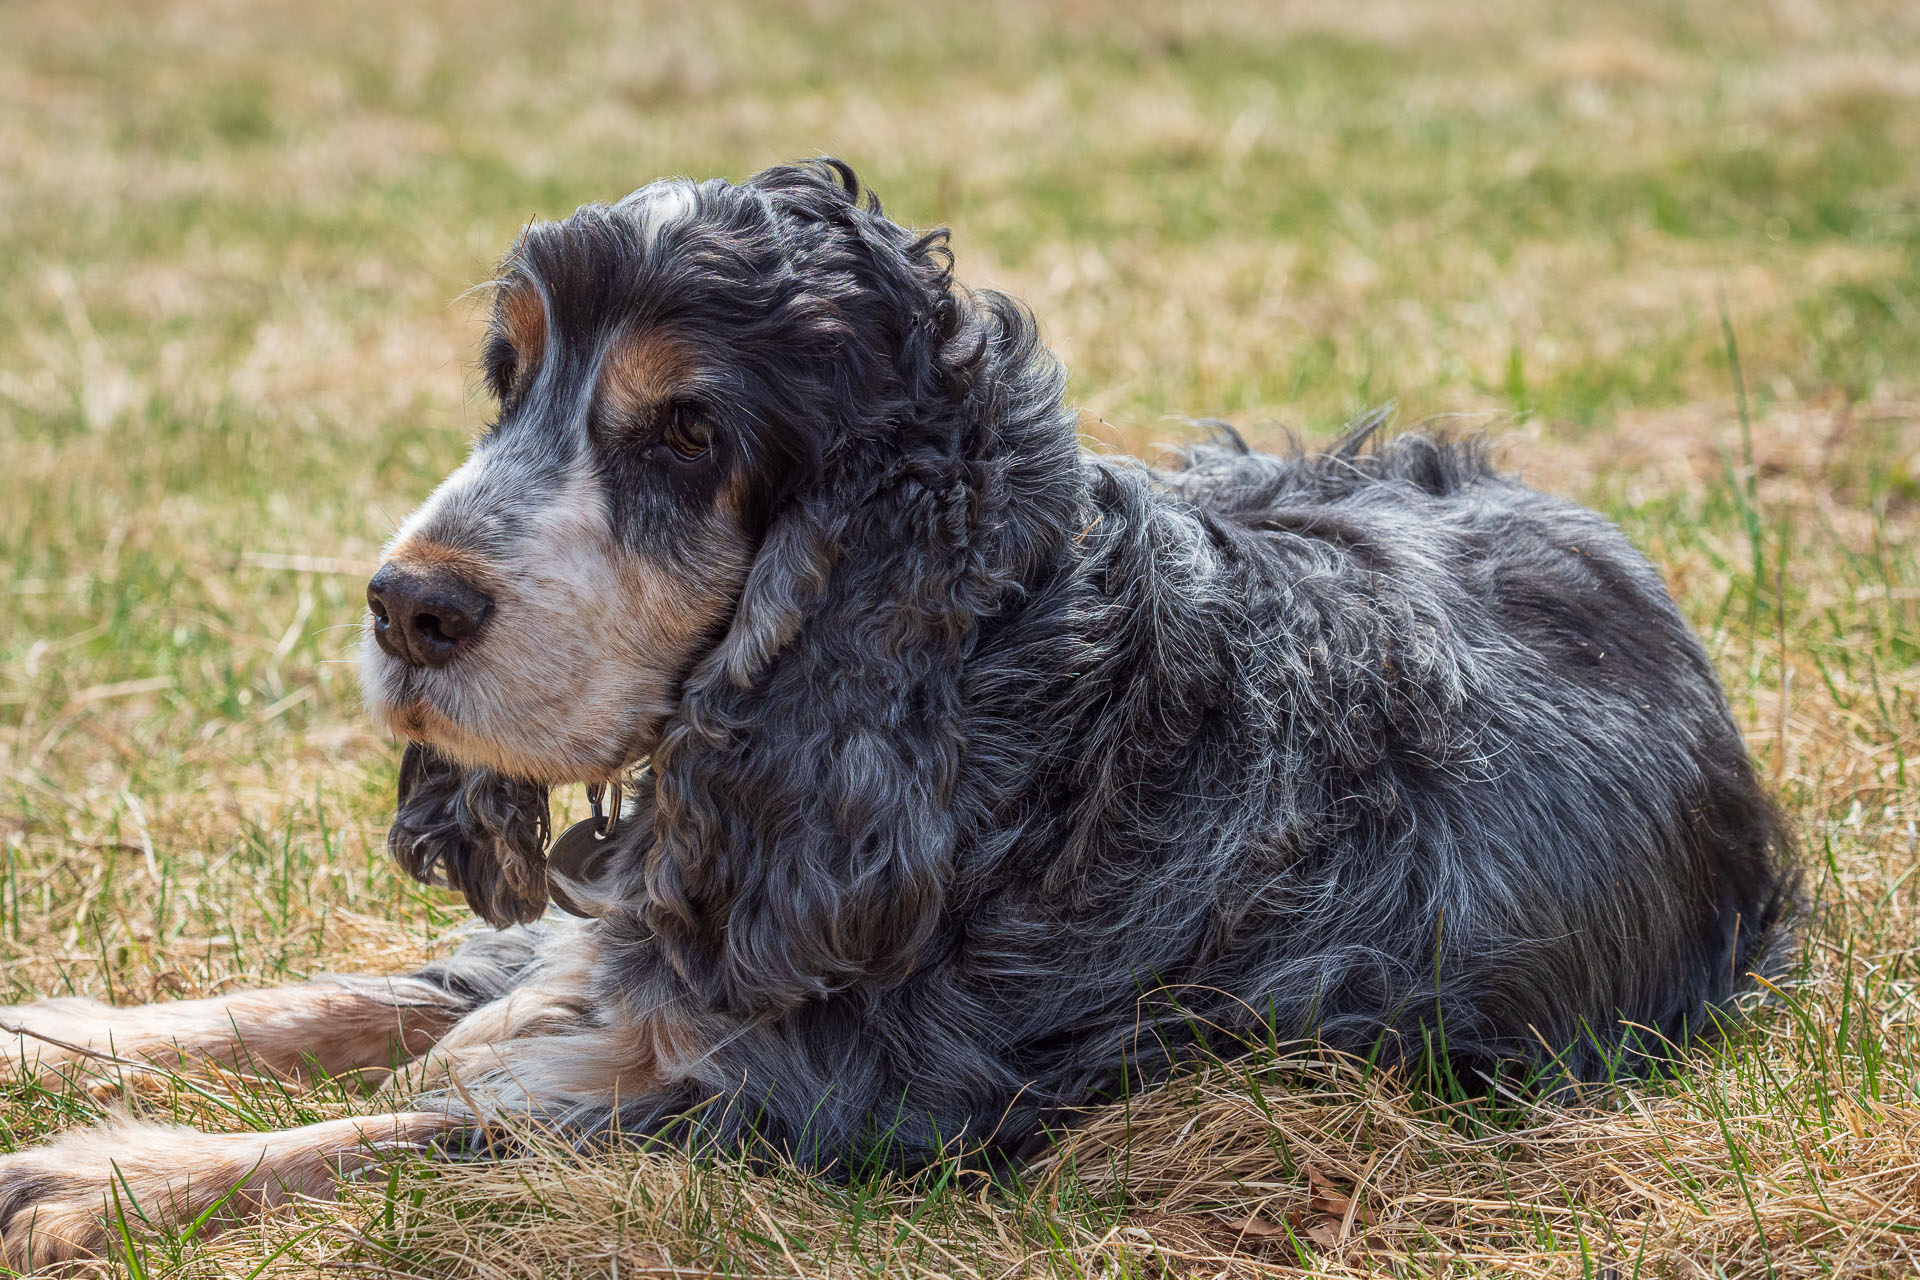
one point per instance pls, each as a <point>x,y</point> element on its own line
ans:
<point>667,369</point>
<point>701,390</point>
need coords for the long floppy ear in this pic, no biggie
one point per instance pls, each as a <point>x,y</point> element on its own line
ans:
<point>805,827</point>
<point>473,830</point>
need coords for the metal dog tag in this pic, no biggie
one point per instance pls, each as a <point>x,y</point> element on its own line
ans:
<point>576,859</point>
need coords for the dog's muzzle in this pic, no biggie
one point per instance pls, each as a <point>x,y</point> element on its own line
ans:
<point>425,617</point>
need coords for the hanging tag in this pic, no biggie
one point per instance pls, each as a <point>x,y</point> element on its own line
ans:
<point>575,861</point>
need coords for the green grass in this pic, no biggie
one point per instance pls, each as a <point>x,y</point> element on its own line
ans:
<point>234,350</point>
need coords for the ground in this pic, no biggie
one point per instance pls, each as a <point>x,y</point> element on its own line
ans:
<point>1666,256</point>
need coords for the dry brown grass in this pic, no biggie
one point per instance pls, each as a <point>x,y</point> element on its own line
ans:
<point>232,352</point>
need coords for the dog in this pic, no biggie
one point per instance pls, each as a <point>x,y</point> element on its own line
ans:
<point>961,776</point>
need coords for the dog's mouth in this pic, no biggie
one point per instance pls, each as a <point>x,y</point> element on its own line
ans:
<point>395,693</point>
<point>400,699</point>
<point>400,704</point>
<point>548,738</point>
<point>552,678</point>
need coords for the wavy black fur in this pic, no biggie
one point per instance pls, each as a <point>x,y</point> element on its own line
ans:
<point>475,831</point>
<point>1019,768</point>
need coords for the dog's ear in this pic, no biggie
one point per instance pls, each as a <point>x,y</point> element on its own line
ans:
<point>804,793</point>
<point>473,830</point>
<point>784,584</point>
<point>803,822</point>
<point>807,796</point>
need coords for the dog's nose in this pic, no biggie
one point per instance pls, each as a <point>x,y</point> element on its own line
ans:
<point>421,616</point>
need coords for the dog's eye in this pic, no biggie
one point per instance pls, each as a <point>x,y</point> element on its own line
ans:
<point>686,433</point>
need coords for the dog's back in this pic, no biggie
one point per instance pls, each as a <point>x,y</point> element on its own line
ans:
<point>1389,748</point>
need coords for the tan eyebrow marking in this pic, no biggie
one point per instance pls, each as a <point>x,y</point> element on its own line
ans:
<point>522,317</point>
<point>641,371</point>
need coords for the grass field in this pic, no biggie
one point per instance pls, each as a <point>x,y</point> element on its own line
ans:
<point>1667,255</point>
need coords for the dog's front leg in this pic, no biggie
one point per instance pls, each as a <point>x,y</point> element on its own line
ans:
<point>543,1053</point>
<point>330,1026</point>
<point>547,1049</point>
<point>327,1027</point>
<point>59,1202</point>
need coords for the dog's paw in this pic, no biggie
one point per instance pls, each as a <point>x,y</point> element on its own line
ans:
<point>49,1214</point>
<point>64,1200</point>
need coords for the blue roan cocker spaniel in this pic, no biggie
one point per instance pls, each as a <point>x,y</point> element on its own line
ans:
<point>960,777</point>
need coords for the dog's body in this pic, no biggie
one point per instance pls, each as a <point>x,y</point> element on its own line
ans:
<point>986,774</point>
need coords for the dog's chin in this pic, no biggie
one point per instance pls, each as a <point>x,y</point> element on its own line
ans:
<point>476,724</point>
<point>487,747</point>
<point>505,748</point>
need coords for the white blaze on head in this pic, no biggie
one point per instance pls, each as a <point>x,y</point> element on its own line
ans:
<point>444,494</point>
<point>659,205</point>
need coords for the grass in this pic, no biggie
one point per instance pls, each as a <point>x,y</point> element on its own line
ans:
<point>233,350</point>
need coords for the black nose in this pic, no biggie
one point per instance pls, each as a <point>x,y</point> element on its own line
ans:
<point>424,616</point>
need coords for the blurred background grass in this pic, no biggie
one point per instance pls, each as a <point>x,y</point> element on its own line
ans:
<point>236,241</point>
